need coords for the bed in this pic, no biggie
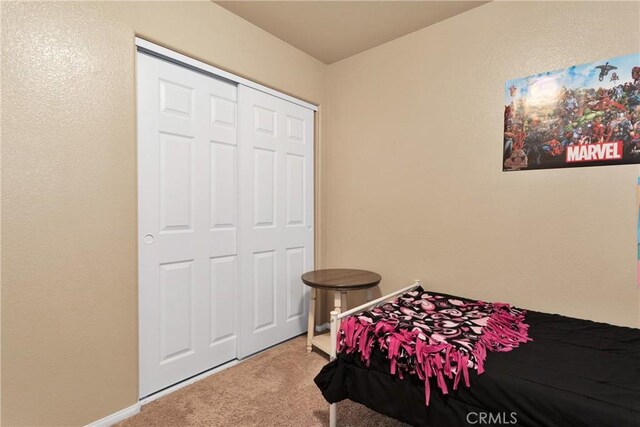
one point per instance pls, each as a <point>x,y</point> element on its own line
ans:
<point>574,373</point>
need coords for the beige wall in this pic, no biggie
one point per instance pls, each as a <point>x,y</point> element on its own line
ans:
<point>411,181</point>
<point>69,296</point>
<point>413,178</point>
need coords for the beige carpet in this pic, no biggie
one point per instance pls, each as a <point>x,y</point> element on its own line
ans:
<point>274,388</point>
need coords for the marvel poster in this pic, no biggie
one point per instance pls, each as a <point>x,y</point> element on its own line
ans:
<point>584,115</point>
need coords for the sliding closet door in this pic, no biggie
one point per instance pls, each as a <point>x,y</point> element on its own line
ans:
<point>276,218</point>
<point>188,263</point>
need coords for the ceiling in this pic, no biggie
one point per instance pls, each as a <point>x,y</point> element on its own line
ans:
<point>334,30</point>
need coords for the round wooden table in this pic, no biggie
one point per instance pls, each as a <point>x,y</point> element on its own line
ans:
<point>340,281</point>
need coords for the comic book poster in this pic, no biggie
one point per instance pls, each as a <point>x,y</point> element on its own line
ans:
<point>584,115</point>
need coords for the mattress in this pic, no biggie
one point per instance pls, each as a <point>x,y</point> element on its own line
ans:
<point>574,373</point>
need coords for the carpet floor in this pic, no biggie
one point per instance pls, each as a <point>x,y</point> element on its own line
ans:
<point>273,388</point>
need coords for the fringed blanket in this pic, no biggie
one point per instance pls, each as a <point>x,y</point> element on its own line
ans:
<point>431,335</point>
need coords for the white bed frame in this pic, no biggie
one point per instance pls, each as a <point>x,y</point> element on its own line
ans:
<point>336,321</point>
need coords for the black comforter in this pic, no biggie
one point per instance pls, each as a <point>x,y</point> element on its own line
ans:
<point>574,373</point>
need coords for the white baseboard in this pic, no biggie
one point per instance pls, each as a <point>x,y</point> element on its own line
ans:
<point>323,327</point>
<point>121,415</point>
<point>132,410</point>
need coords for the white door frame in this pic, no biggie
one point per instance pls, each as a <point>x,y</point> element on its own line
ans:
<point>172,56</point>
<point>156,50</point>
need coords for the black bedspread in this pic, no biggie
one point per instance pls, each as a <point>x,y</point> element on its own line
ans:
<point>574,373</point>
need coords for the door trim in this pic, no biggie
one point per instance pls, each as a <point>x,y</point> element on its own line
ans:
<point>175,57</point>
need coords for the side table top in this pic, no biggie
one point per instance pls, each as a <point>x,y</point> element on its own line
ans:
<point>344,279</point>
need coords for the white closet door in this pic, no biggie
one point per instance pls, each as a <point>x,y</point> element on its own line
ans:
<point>276,218</point>
<point>188,263</point>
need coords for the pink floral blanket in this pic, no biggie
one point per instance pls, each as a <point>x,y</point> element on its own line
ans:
<point>434,336</point>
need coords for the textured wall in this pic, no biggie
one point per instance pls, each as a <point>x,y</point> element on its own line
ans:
<point>412,177</point>
<point>414,183</point>
<point>69,254</point>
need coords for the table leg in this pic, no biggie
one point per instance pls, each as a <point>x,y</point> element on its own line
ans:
<point>312,318</point>
<point>369,294</point>
<point>337,301</point>
<point>343,299</point>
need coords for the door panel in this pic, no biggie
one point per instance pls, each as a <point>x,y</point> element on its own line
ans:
<point>295,293</point>
<point>295,189</point>
<point>176,181</point>
<point>276,218</point>
<point>223,186</point>
<point>264,191</point>
<point>176,310</point>
<point>264,289</point>
<point>223,272</point>
<point>187,225</point>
